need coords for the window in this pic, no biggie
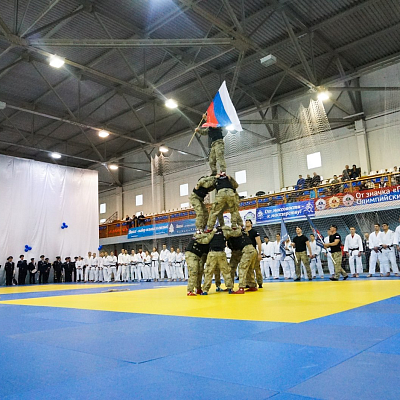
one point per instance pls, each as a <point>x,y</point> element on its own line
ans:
<point>244,194</point>
<point>314,160</point>
<point>240,177</point>
<point>184,189</point>
<point>185,205</point>
<point>102,221</point>
<point>103,208</point>
<point>139,200</point>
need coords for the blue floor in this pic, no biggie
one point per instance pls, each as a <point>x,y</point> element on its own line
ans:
<point>57,353</point>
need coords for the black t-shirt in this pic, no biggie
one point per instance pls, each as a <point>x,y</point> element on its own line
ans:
<point>332,238</point>
<point>300,242</point>
<point>252,233</point>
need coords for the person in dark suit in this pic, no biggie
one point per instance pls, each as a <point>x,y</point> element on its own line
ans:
<point>67,267</point>
<point>9,267</point>
<point>42,267</point>
<point>32,271</point>
<point>22,270</point>
<point>47,270</point>
<point>74,269</point>
<point>57,265</point>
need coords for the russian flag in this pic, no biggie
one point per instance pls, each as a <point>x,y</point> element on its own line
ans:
<point>221,111</point>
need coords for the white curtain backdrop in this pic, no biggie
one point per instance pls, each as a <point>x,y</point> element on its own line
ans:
<point>35,199</point>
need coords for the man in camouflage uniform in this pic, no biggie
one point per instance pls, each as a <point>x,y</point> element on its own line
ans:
<point>241,241</point>
<point>225,199</point>
<point>235,256</point>
<point>216,256</point>
<point>217,151</point>
<point>205,185</point>
<point>195,254</point>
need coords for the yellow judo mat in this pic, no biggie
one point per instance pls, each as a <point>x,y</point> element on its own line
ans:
<point>277,302</point>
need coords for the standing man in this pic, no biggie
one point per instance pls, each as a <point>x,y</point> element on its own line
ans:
<point>113,265</point>
<point>331,267</point>
<point>301,245</point>
<point>79,269</point>
<point>388,252</point>
<point>133,264</point>
<point>57,269</point>
<point>267,253</point>
<point>88,265</point>
<point>171,264</point>
<point>22,266</point>
<point>375,244</point>
<point>276,256</point>
<point>256,241</point>
<point>179,265</point>
<point>121,258</point>
<point>354,247</point>
<point>316,258</point>
<point>32,271</point>
<point>155,258</point>
<point>288,262</point>
<point>367,250</point>
<point>42,270</point>
<point>217,151</point>
<point>140,265</point>
<point>336,252</point>
<point>194,253</point>
<point>94,269</point>
<point>9,267</point>
<point>164,258</point>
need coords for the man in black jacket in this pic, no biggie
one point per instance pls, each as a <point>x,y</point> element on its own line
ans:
<point>22,270</point>
<point>57,265</point>
<point>67,266</point>
<point>9,267</point>
<point>32,271</point>
<point>42,270</point>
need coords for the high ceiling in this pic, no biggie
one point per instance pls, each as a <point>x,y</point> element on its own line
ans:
<point>125,57</point>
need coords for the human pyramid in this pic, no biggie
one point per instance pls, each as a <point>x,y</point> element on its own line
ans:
<point>207,246</point>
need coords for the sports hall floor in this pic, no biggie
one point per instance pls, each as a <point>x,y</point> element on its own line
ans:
<point>321,340</point>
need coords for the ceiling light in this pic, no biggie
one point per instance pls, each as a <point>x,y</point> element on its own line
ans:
<point>323,96</point>
<point>103,133</point>
<point>182,152</point>
<point>170,103</point>
<point>56,61</point>
<point>268,60</point>
<point>230,128</point>
<point>56,155</point>
<point>114,167</point>
<point>163,149</point>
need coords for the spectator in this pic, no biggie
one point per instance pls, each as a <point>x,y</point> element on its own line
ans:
<point>335,188</point>
<point>346,173</point>
<point>301,183</point>
<point>355,172</point>
<point>370,184</point>
<point>128,221</point>
<point>134,221</point>
<point>141,219</point>
<point>395,176</point>
<point>308,181</point>
<point>363,186</point>
<point>316,180</point>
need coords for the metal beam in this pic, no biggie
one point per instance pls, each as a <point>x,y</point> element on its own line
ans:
<point>130,43</point>
<point>364,89</point>
<point>4,28</point>
<point>232,15</point>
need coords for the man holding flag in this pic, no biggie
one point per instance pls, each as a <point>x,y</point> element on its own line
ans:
<point>301,244</point>
<point>220,113</point>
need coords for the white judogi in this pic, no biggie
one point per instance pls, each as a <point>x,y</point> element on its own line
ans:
<point>396,239</point>
<point>179,266</point>
<point>171,263</point>
<point>155,257</point>
<point>288,266</point>
<point>79,270</point>
<point>126,267</point>
<point>88,264</point>
<point>388,254</point>
<point>327,251</point>
<point>315,263</point>
<point>121,260</point>
<point>106,269</point>
<point>133,265</point>
<point>94,271</point>
<point>147,267</point>
<point>100,270</point>
<point>354,246</point>
<point>140,266</point>
<point>277,259</point>
<point>164,258</point>
<point>113,266</point>
<point>185,267</point>
<point>375,241</point>
<point>267,262</point>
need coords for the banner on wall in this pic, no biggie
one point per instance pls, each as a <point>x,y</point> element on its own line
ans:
<point>149,230</point>
<point>357,199</point>
<point>289,211</point>
<point>182,227</point>
<point>245,214</point>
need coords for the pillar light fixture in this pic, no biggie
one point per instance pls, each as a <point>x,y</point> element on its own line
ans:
<point>113,167</point>
<point>163,149</point>
<point>323,95</point>
<point>56,61</point>
<point>230,128</point>
<point>56,155</point>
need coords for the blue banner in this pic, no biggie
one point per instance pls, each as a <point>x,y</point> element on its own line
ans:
<point>287,211</point>
<point>149,230</point>
<point>181,227</point>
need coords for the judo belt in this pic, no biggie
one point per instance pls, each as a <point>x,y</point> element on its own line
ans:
<point>134,263</point>
<point>351,250</point>
<point>147,264</point>
<point>178,262</point>
<point>153,261</point>
<point>277,254</point>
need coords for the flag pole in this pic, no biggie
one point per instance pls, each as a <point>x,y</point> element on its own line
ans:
<point>194,133</point>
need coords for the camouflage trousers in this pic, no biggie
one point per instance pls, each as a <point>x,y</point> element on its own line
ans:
<point>257,271</point>
<point>200,209</point>
<point>217,155</point>
<point>235,260</point>
<point>224,200</point>
<point>201,271</point>
<point>193,263</point>
<point>217,259</point>
<point>302,256</point>
<point>246,267</point>
<point>337,262</point>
